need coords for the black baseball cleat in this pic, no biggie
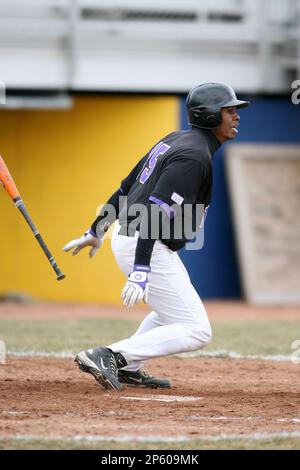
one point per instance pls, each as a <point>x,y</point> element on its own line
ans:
<point>101,363</point>
<point>140,378</point>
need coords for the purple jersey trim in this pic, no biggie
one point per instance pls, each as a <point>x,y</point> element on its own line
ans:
<point>168,209</point>
<point>92,233</point>
<point>141,267</point>
<point>120,189</point>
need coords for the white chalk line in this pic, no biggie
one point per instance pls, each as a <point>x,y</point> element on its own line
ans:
<point>167,398</point>
<point>295,420</point>
<point>222,353</point>
<point>151,439</point>
<point>57,355</point>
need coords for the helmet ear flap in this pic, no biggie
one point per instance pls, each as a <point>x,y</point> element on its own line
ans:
<point>202,116</point>
<point>214,120</point>
<point>211,118</point>
<point>198,111</point>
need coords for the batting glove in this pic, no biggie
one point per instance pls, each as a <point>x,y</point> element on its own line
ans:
<point>136,288</point>
<point>88,239</point>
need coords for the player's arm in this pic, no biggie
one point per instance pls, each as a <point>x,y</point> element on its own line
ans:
<point>93,237</point>
<point>110,211</point>
<point>173,189</point>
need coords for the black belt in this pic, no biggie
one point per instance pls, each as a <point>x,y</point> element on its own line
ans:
<point>131,233</point>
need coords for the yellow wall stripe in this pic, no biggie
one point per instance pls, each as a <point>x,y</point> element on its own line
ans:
<point>65,164</point>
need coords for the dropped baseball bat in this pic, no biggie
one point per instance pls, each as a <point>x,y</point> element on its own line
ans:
<point>8,183</point>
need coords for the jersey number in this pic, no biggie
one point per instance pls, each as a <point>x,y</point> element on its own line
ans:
<point>159,149</point>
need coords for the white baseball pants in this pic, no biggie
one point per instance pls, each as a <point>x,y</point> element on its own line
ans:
<point>178,322</point>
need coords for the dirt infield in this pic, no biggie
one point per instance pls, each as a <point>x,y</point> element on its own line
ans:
<point>228,310</point>
<point>49,397</point>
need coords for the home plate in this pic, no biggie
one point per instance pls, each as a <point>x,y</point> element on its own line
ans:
<point>163,398</point>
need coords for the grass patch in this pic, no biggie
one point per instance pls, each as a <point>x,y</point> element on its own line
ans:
<point>287,443</point>
<point>63,335</point>
<point>257,336</point>
<point>243,336</point>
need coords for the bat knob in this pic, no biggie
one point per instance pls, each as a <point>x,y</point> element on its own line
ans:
<point>61,276</point>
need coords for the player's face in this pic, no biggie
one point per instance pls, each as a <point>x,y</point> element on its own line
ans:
<point>228,128</point>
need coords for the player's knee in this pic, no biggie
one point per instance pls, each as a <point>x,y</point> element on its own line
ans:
<point>204,335</point>
<point>207,335</point>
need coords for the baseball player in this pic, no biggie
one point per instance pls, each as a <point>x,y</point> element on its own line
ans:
<point>166,188</point>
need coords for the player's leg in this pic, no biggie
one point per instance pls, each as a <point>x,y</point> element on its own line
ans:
<point>184,323</point>
<point>179,321</point>
<point>124,254</point>
<point>150,321</point>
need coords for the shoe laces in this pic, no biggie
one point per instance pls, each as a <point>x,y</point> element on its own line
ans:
<point>112,365</point>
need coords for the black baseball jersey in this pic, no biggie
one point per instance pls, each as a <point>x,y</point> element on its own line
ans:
<point>175,174</point>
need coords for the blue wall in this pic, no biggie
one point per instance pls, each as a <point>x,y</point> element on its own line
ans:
<point>214,270</point>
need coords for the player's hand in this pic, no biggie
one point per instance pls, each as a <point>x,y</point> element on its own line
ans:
<point>136,288</point>
<point>88,239</point>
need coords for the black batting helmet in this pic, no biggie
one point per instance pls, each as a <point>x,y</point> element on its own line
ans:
<point>204,104</point>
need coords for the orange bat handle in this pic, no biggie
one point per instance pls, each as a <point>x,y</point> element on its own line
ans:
<point>7,181</point>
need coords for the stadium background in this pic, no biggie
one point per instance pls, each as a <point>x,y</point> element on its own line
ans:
<point>68,162</point>
<point>90,86</point>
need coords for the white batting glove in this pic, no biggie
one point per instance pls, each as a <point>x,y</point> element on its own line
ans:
<point>88,239</point>
<point>136,288</point>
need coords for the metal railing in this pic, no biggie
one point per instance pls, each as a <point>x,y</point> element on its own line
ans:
<point>268,28</point>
